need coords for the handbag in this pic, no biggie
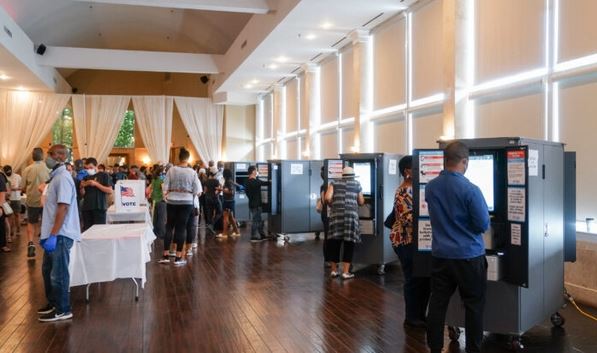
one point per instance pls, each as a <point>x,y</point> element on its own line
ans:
<point>319,205</point>
<point>7,209</point>
<point>390,220</point>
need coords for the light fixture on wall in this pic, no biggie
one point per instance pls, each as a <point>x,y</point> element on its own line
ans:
<point>4,77</point>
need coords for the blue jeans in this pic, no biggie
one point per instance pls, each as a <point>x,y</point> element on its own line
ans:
<point>256,222</point>
<point>55,274</point>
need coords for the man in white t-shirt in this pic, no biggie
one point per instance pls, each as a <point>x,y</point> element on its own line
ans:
<point>14,197</point>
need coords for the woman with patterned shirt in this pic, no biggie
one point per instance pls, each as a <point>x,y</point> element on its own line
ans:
<point>416,289</point>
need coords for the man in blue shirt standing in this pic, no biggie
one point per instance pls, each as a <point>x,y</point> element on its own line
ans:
<point>59,229</point>
<point>459,217</point>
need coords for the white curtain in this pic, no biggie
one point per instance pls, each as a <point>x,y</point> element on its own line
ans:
<point>154,119</point>
<point>26,118</point>
<point>204,122</point>
<point>97,121</point>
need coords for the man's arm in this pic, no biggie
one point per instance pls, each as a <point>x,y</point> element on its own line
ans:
<point>61,211</point>
<point>477,208</point>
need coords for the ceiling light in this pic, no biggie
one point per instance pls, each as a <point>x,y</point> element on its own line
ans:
<point>327,25</point>
<point>282,59</point>
<point>21,88</point>
<point>255,81</point>
<point>248,86</point>
<point>272,66</point>
<point>3,77</point>
<point>310,36</point>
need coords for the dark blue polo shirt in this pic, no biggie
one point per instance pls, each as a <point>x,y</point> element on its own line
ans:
<point>459,216</point>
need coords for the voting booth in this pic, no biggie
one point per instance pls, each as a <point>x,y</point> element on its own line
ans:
<point>240,175</point>
<point>523,183</point>
<point>129,194</point>
<point>379,177</point>
<point>292,197</point>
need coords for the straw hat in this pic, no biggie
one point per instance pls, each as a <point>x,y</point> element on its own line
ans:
<point>347,173</point>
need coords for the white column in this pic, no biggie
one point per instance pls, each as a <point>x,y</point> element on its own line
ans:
<point>362,90</point>
<point>458,56</point>
<point>279,123</point>
<point>310,106</point>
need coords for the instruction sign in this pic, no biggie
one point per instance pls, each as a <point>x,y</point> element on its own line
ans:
<point>516,204</point>
<point>296,169</point>
<point>392,167</point>
<point>423,208</point>
<point>129,194</point>
<point>431,163</point>
<point>516,167</point>
<point>533,162</point>
<point>515,234</point>
<point>424,236</point>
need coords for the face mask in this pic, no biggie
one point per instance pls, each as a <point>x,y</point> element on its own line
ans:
<point>91,172</point>
<point>51,162</point>
<point>162,177</point>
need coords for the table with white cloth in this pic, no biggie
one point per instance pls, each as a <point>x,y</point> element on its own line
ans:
<point>130,215</point>
<point>110,251</point>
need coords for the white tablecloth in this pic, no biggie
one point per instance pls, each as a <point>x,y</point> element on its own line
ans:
<point>133,215</point>
<point>110,251</point>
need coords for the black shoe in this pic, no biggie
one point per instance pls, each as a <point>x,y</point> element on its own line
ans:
<point>49,308</point>
<point>415,324</point>
<point>31,250</point>
<point>55,316</point>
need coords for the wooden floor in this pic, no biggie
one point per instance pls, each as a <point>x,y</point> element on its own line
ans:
<point>235,296</point>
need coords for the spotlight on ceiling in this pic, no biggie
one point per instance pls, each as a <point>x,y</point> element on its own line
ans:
<point>326,25</point>
<point>310,36</point>
<point>282,59</point>
<point>272,66</point>
<point>204,79</point>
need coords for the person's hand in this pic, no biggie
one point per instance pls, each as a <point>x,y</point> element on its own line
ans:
<point>50,244</point>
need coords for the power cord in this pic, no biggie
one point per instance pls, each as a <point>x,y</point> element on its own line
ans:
<point>571,300</point>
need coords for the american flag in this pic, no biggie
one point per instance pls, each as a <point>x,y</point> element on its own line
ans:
<point>127,191</point>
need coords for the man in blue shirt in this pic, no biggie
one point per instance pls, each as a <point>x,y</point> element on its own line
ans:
<point>459,217</point>
<point>60,228</point>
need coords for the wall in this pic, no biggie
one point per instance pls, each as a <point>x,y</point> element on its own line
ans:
<point>240,133</point>
<point>581,281</point>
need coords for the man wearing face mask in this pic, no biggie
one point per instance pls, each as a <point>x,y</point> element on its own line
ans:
<point>94,188</point>
<point>60,228</point>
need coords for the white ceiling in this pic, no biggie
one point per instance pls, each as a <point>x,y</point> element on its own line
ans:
<point>69,23</point>
<point>288,39</point>
<point>19,75</point>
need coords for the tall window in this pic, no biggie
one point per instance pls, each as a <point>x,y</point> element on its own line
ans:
<point>62,131</point>
<point>126,134</point>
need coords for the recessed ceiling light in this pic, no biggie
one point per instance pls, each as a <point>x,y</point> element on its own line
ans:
<point>272,66</point>
<point>21,88</point>
<point>255,81</point>
<point>282,59</point>
<point>3,77</point>
<point>310,36</point>
<point>327,25</point>
<point>248,86</point>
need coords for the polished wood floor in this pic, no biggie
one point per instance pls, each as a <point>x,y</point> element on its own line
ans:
<point>234,296</point>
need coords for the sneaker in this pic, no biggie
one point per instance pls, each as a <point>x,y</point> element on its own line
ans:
<point>347,275</point>
<point>55,316</point>
<point>49,308</point>
<point>220,235</point>
<point>172,253</point>
<point>189,252</point>
<point>333,274</point>
<point>257,240</point>
<point>194,245</point>
<point>30,250</point>
<point>236,234</point>
<point>180,261</point>
<point>164,260</point>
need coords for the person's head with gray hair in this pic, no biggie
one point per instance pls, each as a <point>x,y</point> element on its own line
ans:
<point>37,155</point>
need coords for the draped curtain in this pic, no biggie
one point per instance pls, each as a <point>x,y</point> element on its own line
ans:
<point>97,120</point>
<point>154,120</point>
<point>26,118</point>
<point>204,122</point>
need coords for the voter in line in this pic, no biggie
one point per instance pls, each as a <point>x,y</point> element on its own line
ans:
<point>459,217</point>
<point>416,289</point>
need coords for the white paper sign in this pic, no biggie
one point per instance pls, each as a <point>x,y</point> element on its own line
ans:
<point>423,208</point>
<point>335,169</point>
<point>515,234</point>
<point>424,236</point>
<point>296,169</point>
<point>533,162</point>
<point>129,194</point>
<point>516,172</point>
<point>392,166</point>
<point>431,163</point>
<point>516,204</point>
